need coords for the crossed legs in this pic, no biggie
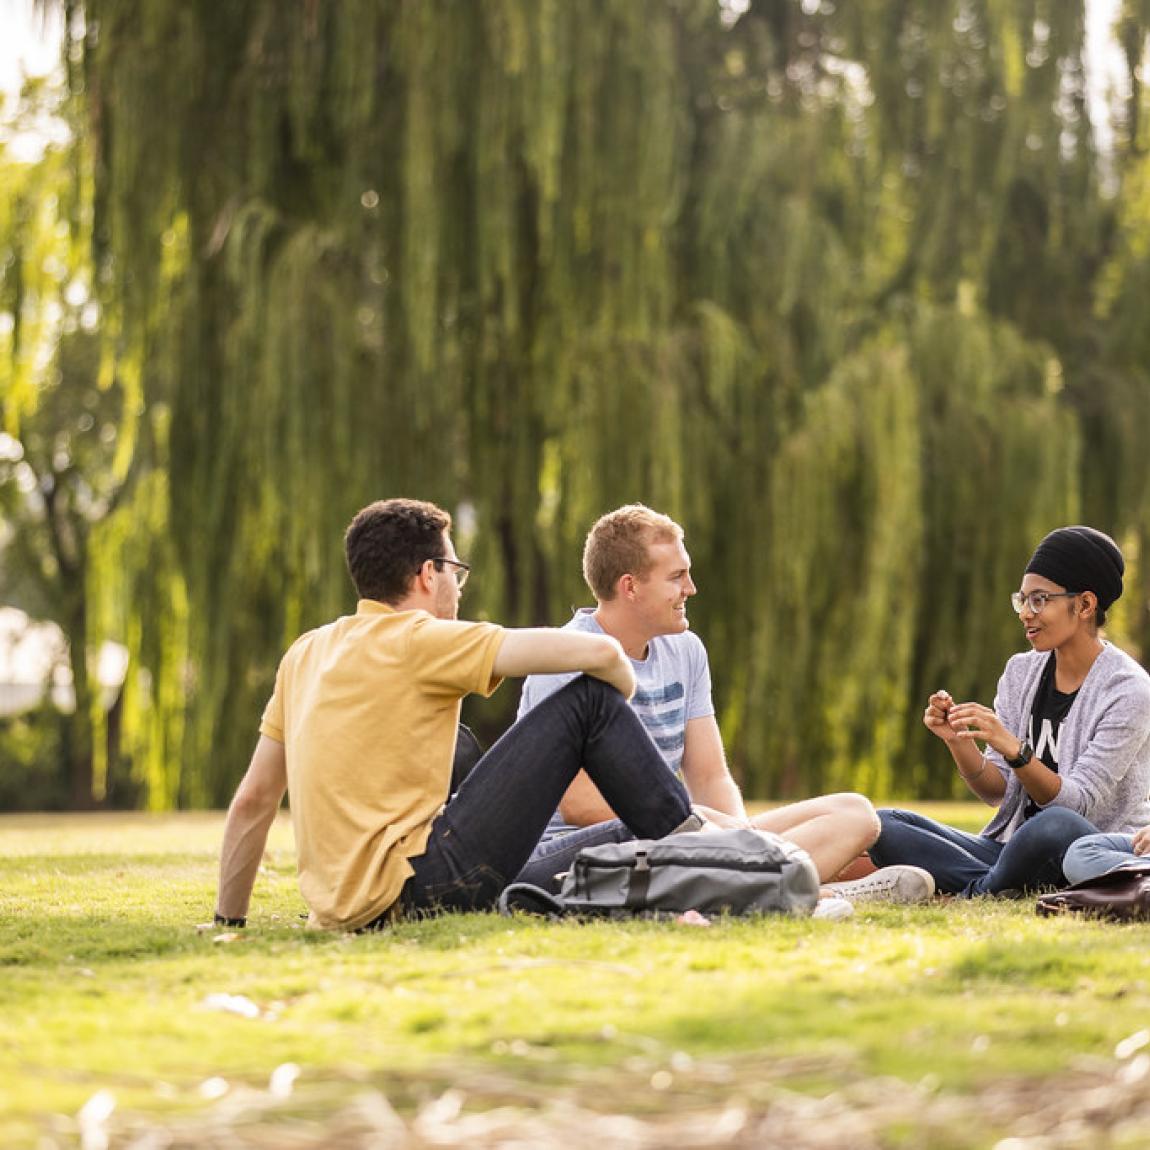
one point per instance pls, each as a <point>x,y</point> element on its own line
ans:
<point>832,829</point>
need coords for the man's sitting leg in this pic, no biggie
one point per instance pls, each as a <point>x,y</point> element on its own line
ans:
<point>832,829</point>
<point>484,836</point>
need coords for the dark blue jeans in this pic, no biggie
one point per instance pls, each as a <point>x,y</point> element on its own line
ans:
<point>968,865</point>
<point>488,830</point>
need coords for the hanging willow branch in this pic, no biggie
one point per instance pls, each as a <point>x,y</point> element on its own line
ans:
<point>803,281</point>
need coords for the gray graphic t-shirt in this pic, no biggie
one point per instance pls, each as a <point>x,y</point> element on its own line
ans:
<point>673,686</point>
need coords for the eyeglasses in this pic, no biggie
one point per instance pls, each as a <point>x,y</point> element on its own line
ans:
<point>1036,600</point>
<point>462,570</point>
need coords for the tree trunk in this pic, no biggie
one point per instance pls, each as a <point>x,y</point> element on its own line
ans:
<point>80,734</point>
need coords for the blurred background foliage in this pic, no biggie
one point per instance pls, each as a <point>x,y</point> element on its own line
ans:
<point>849,289</point>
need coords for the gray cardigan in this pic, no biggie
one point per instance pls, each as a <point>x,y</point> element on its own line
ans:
<point>1103,745</point>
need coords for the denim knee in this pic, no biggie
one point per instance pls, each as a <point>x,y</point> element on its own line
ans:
<point>597,692</point>
<point>889,815</point>
<point>1093,855</point>
<point>1055,828</point>
<point>897,830</point>
<point>1081,859</point>
<point>895,819</point>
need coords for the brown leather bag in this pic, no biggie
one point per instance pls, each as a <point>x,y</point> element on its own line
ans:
<point>1122,894</point>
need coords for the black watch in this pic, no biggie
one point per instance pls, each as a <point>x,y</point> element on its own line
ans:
<point>1025,754</point>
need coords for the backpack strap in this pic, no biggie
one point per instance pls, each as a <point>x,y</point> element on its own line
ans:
<point>527,898</point>
<point>640,881</point>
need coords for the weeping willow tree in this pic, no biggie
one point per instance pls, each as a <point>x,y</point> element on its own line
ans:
<point>67,442</point>
<point>907,439</point>
<point>820,281</point>
<point>1114,382</point>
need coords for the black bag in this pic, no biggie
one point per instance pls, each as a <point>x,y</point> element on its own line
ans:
<point>468,752</point>
<point>1122,894</point>
<point>739,871</point>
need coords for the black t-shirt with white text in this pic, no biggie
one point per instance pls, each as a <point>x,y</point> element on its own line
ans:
<point>1051,707</point>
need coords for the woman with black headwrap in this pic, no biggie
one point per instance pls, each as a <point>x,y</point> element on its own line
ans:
<point>1066,747</point>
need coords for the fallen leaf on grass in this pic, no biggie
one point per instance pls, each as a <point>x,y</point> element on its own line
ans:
<point>213,1088</point>
<point>282,1081</point>
<point>1135,1070</point>
<point>1130,1045</point>
<point>93,1120</point>
<point>232,1004</point>
<point>693,918</point>
<point>224,937</point>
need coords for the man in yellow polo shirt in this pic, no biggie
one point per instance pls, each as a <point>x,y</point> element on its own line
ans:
<point>361,728</point>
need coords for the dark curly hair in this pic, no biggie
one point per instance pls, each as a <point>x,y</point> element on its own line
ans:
<point>388,541</point>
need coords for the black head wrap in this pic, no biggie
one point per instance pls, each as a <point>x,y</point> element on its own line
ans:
<point>1081,559</point>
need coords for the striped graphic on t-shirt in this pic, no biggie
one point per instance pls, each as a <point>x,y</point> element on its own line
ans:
<point>661,711</point>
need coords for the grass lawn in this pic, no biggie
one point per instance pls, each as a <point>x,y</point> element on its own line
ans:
<point>951,1025</point>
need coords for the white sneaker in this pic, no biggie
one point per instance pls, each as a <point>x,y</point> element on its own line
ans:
<point>832,908</point>
<point>887,884</point>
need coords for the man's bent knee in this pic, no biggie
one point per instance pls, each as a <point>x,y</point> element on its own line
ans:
<point>861,813</point>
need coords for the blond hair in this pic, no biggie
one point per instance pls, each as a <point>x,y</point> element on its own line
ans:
<point>618,544</point>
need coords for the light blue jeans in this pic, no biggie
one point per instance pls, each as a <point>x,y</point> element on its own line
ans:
<point>556,854</point>
<point>1096,854</point>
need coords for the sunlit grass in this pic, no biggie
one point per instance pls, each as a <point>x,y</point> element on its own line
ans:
<point>106,984</point>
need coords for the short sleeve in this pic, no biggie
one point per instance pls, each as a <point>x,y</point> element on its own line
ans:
<point>700,703</point>
<point>272,721</point>
<point>455,658</point>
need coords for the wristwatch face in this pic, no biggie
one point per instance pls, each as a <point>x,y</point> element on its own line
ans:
<point>1025,754</point>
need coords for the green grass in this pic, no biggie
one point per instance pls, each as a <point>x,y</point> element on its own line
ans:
<point>105,984</point>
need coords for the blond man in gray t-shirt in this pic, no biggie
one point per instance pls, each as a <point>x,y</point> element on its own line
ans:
<point>636,564</point>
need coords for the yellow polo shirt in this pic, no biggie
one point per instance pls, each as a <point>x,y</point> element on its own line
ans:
<point>367,708</point>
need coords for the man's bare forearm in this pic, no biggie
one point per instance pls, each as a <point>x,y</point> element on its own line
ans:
<point>250,817</point>
<point>706,773</point>
<point>722,796</point>
<point>551,650</point>
<point>240,858</point>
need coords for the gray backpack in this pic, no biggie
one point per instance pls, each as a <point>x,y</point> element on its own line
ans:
<point>714,872</point>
